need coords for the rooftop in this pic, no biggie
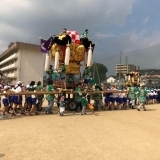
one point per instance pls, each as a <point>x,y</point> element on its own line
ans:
<point>17,45</point>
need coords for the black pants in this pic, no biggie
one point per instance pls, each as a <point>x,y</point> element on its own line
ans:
<point>78,104</point>
<point>96,103</point>
<point>89,98</point>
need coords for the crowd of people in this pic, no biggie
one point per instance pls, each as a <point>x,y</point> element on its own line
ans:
<point>115,98</point>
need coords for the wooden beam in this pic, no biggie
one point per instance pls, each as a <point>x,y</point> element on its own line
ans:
<point>71,91</point>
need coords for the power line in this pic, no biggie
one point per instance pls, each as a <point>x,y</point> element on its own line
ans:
<point>128,52</point>
<point>142,49</point>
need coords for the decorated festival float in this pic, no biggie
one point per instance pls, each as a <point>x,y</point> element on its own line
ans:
<point>68,49</point>
<point>133,78</point>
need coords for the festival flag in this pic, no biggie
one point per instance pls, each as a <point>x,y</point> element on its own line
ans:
<point>43,49</point>
<point>48,44</point>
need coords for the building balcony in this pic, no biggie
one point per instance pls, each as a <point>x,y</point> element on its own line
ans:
<point>12,57</point>
<point>12,75</point>
<point>9,67</point>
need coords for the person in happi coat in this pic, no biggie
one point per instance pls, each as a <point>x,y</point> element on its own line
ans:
<point>142,95</point>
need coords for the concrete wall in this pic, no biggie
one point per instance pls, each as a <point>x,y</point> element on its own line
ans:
<point>31,66</point>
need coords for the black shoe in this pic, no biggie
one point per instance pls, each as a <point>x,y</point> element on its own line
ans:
<point>49,112</point>
<point>23,113</point>
<point>16,111</point>
<point>45,111</point>
<point>138,109</point>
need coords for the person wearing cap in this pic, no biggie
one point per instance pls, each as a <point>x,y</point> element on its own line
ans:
<point>18,99</point>
<point>142,95</point>
<point>28,100</point>
<point>5,101</point>
<point>34,102</point>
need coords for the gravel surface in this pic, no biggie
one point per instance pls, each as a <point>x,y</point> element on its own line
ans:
<point>101,135</point>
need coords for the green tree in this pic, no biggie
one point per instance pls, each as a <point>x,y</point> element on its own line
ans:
<point>121,74</point>
<point>99,72</point>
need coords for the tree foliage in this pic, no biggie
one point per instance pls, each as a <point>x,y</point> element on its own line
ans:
<point>120,74</point>
<point>99,72</point>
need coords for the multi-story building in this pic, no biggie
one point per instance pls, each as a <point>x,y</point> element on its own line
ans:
<point>126,68</point>
<point>22,61</point>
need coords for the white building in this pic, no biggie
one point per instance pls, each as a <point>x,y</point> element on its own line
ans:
<point>126,68</point>
<point>22,61</point>
<point>114,80</point>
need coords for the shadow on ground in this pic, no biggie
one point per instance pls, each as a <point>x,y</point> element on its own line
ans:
<point>2,155</point>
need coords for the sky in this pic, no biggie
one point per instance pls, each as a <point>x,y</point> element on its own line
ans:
<point>130,26</point>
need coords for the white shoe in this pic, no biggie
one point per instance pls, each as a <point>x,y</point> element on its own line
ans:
<point>4,116</point>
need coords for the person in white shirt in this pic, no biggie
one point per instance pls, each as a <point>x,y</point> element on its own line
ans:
<point>28,99</point>
<point>155,96</point>
<point>124,98</point>
<point>18,99</point>
<point>151,96</point>
<point>120,100</point>
<point>11,100</point>
<point>34,102</point>
<point>5,101</point>
<point>114,97</point>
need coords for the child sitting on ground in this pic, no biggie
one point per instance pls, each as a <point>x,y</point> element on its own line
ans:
<point>61,105</point>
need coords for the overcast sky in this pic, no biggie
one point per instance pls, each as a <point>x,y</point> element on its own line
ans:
<point>115,25</point>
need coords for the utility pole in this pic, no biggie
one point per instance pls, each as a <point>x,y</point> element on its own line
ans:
<point>126,60</point>
<point>120,67</point>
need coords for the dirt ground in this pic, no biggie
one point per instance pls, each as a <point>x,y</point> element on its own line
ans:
<point>104,135</point>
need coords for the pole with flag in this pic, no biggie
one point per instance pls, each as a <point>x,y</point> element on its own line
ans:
<point>42,42</point>
<point>44,50</point>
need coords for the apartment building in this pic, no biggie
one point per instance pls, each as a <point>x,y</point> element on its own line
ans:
<point>126,68</point>
<point>22,61</point>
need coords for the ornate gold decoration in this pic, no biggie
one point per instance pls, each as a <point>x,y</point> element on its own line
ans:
<point>77,52</point>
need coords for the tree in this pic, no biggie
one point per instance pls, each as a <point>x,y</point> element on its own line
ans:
<point>121,74</point>
<point>99,72</point>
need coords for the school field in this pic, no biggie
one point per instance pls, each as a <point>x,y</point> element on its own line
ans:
<point>104,135</point>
